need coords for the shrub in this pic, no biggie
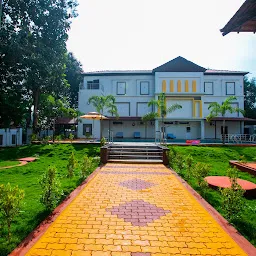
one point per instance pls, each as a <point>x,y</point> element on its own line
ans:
<point>10,204</point>
<point>242,160</point>
<point>51,192</point>
<point>86,166</point>
<point>103,141</point>
<point>58,138</point>
<point>71,137</point>
<point>232,198</point>
<point>34,137</point>
<point>188,163</point>
<point>71,165</point>
<point>171,157</point>
<point>200,171</point>
<point>179,161</point>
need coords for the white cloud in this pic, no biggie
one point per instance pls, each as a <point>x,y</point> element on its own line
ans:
<point>140,34</point>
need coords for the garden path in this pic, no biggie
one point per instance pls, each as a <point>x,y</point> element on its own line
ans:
<point>136,210</point>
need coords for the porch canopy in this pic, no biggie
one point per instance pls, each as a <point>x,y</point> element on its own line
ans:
<point>244,19</point>
<point>244,119</point>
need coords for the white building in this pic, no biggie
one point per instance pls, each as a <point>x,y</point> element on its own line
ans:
<point>10,137</point>
<point>183,82</point>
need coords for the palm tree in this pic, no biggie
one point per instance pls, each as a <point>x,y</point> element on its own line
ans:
<point>160,103</point>
<point>102,104</point>
<point>217,109</point>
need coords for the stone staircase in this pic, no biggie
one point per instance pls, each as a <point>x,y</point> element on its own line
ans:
<point>135,153</point>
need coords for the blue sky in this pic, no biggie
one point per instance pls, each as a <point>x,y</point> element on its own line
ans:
<point>143,34</point>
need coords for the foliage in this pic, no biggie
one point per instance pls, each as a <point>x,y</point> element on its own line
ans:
<point>250,97</point>
<point>201,170</point>
<point>72,162</point>
<point>104,104</point>
<point>242,160</point>
<point>103,141</point>
<point>74,77</point>
<point>217,109</point>
<point>218,158</point>
<point>86,167</point>
<point>51,192</point>
<point>160,103</point>
<point>188,164</point>
<point>33,39</point>
<point>58,138</point>
<point>232,197</point>
<point>26,177</point>
<point>179,162</point>
<point>10,204</point>
<point>71,137</point>
<point>171,157</point>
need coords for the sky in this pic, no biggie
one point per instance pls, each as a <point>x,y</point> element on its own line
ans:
<point>144,34</point>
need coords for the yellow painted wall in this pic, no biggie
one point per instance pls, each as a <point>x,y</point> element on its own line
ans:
<point>171,86</point>
<point>186,86</point>
<point>194,86</point>
<point>179,86</point>
<point>164,86</point>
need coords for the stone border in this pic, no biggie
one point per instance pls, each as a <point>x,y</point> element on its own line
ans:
<point>228,228</point>
<point>36,234</point>
<point>242,167</point>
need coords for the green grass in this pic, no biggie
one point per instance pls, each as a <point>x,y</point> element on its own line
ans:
<point>26,177</point>
<point>218,158</point>
<point>8,163</point>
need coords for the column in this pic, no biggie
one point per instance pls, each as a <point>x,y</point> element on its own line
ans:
<point>202,129</point>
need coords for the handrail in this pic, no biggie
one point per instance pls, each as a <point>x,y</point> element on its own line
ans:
<point>238,138</point>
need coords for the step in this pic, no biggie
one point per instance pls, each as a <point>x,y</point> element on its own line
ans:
<point>134,156</point>
<point>132,161</point>
<point>137,148</point>
<point>136,152</point>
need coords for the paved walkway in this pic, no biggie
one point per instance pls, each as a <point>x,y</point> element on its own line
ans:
<point>135,210</point>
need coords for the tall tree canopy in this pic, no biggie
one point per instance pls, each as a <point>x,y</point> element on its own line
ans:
<point>74,78</point>
<point>33,39</point>
<point>250,97</point>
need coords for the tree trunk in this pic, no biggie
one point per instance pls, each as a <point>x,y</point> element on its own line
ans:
<point>100,128</point>
<point>223,132</point>
<point>35,103</point>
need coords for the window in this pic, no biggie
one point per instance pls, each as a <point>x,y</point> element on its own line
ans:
<point>93,85</point>
<point>87,129</point>
<point>1,139</point>
<point>13,139</point>
<point>144,88</point>
<point>230,88</point>
<point>188,129</point>
<point>208,88</point>
<point>121,88</point>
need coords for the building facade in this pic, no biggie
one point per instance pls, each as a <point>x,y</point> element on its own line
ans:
<point>183,82</point>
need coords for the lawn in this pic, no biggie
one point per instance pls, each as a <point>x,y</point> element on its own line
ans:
<point>218,158</point>
<point>8,163</point>
<point>26,177</point>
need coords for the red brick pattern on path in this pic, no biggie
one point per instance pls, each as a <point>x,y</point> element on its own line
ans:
<point>104,219</point>
<point>136,184</point>
<point>138,212</point>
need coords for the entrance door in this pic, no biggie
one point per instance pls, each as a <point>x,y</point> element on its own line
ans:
<point>188,132</point>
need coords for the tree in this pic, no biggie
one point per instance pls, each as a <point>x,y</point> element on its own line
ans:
<point>74,78</point>
<point>33,39</point>
<point>52,108</point>
<point>217,109</point>
<point>160,103</point>
<point>250,97</point>
<point>104,104</point>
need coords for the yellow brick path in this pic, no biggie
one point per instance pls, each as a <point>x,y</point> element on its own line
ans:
<point>88,227</point>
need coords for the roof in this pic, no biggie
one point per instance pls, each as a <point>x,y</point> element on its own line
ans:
<point>224,72</point>
<point>244,19</point>
<point>179,64</point>
<point>66,120</point>
<point>118,72</point>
